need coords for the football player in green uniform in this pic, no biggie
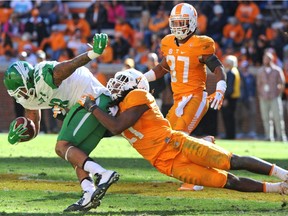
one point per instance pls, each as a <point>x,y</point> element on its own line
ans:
<point>59,85</point>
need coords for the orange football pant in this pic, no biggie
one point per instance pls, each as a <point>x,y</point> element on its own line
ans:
<point>198,161</point>
<point>193,112</point>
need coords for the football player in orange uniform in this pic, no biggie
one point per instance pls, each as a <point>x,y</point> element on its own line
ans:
<point>186,56</point>
<point>174,153</point>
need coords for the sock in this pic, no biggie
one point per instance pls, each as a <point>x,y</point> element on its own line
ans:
<point>279,172</point>
<point>92,167</point>
<point>272,187</point>
<point>87,184</point>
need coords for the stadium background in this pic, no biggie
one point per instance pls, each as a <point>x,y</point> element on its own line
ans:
<point>273,11</point>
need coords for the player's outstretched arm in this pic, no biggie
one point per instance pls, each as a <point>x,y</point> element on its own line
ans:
<point>118,124</point>
<point>66,68</point>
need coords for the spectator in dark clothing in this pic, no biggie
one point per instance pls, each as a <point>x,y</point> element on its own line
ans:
<point>246,107</point>
<point>120,47</point>
<point>231,96</point>
<point>279,41</point>
<point>216,24</point>
<point>258,28</point>
<point>48,10</point>
<point>36,27</point>
<point>96,15</point>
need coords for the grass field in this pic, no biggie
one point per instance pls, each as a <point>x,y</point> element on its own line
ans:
<point>34,181</point>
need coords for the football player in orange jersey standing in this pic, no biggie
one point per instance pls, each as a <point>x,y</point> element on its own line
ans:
<point>186,56</point>
<point>174,153</point>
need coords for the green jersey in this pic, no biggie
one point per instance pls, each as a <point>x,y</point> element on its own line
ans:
<point>81,82</point>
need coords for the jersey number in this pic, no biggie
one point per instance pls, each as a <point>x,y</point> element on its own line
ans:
<point>185,60</point>
<point>137,134</point>
<point>58,102</point>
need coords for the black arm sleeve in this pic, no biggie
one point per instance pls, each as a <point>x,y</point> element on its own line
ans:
<point>212,62</point>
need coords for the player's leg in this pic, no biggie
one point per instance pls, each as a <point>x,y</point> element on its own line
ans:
<point>250,185</point>
<point>186,171</point>
<point>185,115</point>
<point>257,165</point>
<point>67,147</point>
<point>80,134</point>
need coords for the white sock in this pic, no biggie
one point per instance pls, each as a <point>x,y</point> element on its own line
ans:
<point>93,168</point>
<point>87,185</point>
<point>279,172</point>
<point>272,187</point>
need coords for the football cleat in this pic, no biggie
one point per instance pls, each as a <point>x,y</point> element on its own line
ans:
<point>209,139</point>
<point>107,179</point>
<point>190,187</point>
<point>84,203</point>
<point>97,177</point>
<point>284,188</point>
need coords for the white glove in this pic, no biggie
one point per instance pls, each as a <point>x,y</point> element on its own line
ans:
<point>217,97</point>
<point>57,110</point>
<point>113,110</point>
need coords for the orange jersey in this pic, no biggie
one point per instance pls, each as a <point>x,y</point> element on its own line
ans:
<point>148,134</point>
<point>188,75</point>
<point>172,152</point>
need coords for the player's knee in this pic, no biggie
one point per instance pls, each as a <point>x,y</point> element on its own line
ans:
<point>232,182</point>
<point>61,148</point>
<point>235,162</point>
<point>219,181</point>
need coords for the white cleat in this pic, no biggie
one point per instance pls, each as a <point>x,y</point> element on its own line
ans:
<point>284,188</point>
<point>190,187</point>
<point>209,139</point>
<point>83,204</point>
<point>107,179</point>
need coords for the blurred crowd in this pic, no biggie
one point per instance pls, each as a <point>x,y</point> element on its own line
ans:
<point>43,29</point>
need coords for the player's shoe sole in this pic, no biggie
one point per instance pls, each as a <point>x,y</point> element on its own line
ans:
<point>190,187</point>
<point>80,208</point>
<point>284,188</point>
<point>101,189</point>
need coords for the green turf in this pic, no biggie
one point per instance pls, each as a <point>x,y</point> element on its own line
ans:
<point>34,181</point>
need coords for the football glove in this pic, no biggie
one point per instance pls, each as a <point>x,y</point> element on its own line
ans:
<point>88,102</point>
<point>216,99</point>
<point>100,42</point>
<point>16,133</point>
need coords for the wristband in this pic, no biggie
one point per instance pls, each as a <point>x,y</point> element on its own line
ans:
<point>150,75</point>
<point>92,55</point>
<point>221,86</point>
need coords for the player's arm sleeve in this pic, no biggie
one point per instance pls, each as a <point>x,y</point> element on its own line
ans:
<point>212,62</point>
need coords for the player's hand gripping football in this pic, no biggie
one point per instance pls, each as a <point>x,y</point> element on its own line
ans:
<point>16,132</point>
<point>88,102</point>
<point>100,42</point>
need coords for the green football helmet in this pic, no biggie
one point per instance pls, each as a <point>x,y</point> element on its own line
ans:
<point>19,81</point>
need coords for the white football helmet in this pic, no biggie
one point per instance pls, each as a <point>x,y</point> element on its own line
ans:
<point>183,20</point>
<point>126,80</point>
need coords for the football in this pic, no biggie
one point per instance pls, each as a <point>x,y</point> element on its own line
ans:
<point>29,124</point>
